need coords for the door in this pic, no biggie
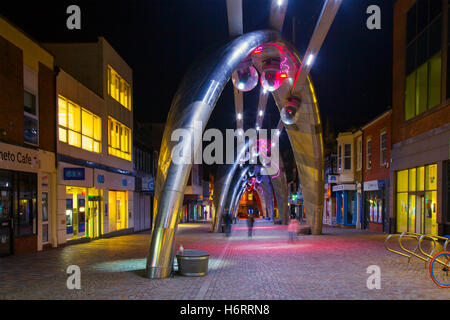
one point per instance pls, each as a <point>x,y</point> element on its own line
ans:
<point>420,214</point>
<point>93,217</point>
<point>45,215</point>
<point>5,222</point>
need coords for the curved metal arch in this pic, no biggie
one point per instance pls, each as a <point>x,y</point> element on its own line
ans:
<point>193,103</point>
<point>280,189</point>
<point>236,183</point>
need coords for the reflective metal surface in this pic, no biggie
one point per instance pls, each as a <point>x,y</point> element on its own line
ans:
<point>236,185</point>
<point>225,177</point>
<point>194,102</point>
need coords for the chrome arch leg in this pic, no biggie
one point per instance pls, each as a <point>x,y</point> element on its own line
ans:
<point>193,102</point>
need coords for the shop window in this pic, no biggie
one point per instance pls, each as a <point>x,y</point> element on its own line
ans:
<point>383,149</point>
<point>119,143</point>
<point>369,154</point>
<point>78,127</point>
<point>423,57</point>
<point>118,215</point>
<point>416,200</point>
<point>25,212</point>
<point>118,88</point>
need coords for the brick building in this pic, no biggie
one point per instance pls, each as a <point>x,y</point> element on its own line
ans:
<point>376,164</point>
<point>27,143</point>
<point>419,195</point>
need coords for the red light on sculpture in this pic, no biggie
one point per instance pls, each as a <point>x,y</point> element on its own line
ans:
<point>257,50</point>
<point>282,75</point>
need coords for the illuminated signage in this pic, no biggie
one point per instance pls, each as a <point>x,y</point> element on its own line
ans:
<point>74,174</point>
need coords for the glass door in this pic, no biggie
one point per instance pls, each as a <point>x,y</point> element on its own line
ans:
<point>45,215</point>
<point>5,222</point>
<point>420,216</point>
<point>93,217</point>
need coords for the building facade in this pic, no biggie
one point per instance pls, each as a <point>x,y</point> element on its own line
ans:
<point>348,189</point>
<point>96,185</point>
<point>419,193</point>
<point>144,159</point>
<point>331,179</point>
<point>376,166</point>
<point>27,143</point>
<point>193,210</point>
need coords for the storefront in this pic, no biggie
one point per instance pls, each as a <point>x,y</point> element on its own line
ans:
<point>346,204</point>
<point>25,199</point>
<point>93,202</point>
<point>192,209</point>
<point>416,199</point>
<point>375,204</point>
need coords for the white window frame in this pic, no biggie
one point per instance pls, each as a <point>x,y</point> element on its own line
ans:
<point>359,154</point>
<point>350,156</point>
<point>369,164</point>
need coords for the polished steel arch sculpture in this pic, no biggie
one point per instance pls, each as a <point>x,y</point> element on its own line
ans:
<point>194,103</point>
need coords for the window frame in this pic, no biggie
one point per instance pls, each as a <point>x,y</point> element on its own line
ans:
<point>122,89</point>
<point>80,133</point>
<point>348,157</point>
<point>369,160</point>
<point>117,130</point>
<point>430,54</point>
<point>383,164</point>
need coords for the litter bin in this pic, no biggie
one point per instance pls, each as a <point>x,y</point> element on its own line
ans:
<point>193,263</point>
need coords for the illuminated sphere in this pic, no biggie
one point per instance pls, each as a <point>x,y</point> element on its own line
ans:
<point>245,79</point>
<point>289,114</point>
<point>270,80</point>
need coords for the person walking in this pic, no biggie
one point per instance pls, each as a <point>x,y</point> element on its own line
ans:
<point>293,228</point>
<point>228,221</point>
<point>250,223</point>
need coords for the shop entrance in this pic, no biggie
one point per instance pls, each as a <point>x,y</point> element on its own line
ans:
<point>93,222</point>
<point>83,212</point>
<point>5,221</point>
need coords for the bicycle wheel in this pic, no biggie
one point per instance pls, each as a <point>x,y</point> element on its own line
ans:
<point>439,269</point>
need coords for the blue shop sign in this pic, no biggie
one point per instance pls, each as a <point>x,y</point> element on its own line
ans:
<point>74,174</point>
<point>100,179</point>
<point>124,182</point>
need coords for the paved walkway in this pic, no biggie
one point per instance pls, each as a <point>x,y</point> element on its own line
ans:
<point>331,266</point>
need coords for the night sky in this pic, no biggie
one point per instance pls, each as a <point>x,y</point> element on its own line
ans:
<point>160,39</point>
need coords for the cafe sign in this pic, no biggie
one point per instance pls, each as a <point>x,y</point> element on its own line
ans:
<point>17,158</point>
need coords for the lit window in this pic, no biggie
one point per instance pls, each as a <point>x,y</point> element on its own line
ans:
<point>78,127</point>
<point>423,57</point>
<point>410,204</point>
<point>119,143</point>
<point>118,88</point>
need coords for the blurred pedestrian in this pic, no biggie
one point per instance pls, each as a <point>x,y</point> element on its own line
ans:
<point>293,229</point>
<point>228,221</point>
<point>250,223</point>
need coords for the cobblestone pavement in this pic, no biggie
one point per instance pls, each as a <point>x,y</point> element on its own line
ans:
<point>266,266</point>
